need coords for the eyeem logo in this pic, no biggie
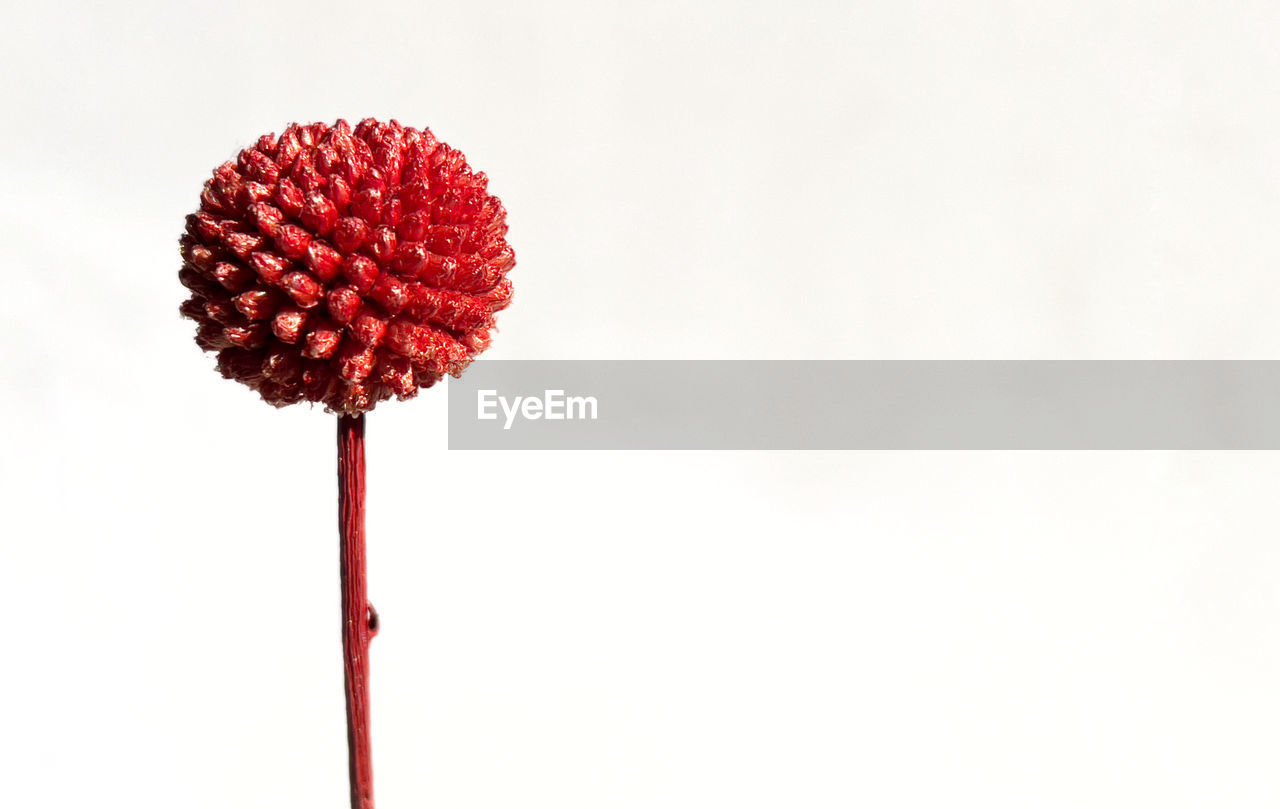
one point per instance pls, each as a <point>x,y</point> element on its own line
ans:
<point>553,406</point>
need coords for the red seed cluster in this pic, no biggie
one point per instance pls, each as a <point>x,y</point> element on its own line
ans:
<point>345,266</point>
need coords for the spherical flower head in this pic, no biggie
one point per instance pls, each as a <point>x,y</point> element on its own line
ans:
<point>345,266</point>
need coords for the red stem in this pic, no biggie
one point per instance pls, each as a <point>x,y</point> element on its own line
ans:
<point>359,619</point>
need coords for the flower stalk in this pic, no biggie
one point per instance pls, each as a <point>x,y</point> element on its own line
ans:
<point>359,619</point>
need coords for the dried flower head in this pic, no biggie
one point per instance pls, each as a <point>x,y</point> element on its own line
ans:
<point>345,266</point>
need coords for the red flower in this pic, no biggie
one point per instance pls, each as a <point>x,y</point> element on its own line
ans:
<point>340,266</point>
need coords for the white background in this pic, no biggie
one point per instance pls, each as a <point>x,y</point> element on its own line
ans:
<point>695,180</point>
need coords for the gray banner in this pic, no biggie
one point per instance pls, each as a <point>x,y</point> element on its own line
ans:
<point>692,404</point>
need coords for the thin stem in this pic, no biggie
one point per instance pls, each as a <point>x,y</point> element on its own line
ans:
<point>359,619</point>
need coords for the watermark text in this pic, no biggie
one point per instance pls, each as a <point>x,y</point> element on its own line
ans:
<point>553,405</point>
